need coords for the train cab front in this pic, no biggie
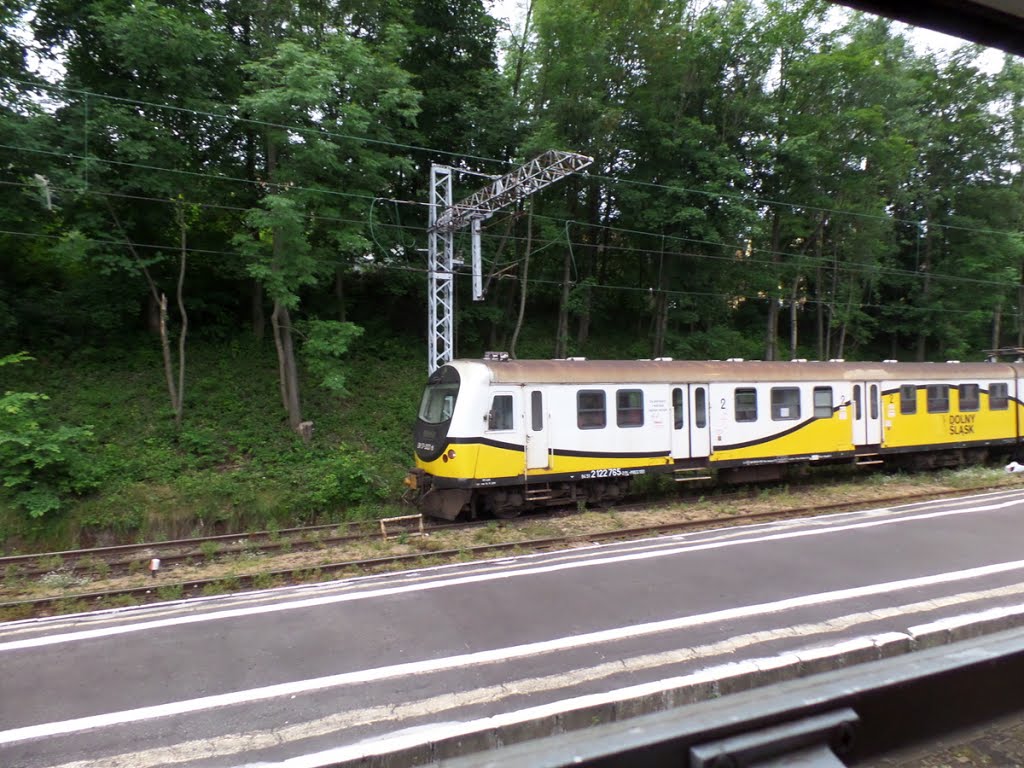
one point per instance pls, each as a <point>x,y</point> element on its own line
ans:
<point>436,488</point>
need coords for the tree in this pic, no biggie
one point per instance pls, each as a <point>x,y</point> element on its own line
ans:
<point>317,92</point>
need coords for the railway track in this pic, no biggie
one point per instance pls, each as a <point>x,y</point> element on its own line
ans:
<point>428,551</point>
<point>130,558</point>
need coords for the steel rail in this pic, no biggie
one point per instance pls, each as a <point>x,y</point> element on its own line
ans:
<point>299,574</point>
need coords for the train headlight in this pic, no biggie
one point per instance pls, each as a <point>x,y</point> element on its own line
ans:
<point>451,454</point>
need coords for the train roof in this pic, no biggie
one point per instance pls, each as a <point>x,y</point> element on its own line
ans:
<point>579,371</point>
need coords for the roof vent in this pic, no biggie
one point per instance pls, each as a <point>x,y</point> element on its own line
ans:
<point>887,362</point>
<point>837,360</point>
<point>954,362</point>
<point>499,357</point>
<point>575,359</point>
<point>798,360</point>
<point>734,360</point>
<point>663,359</point>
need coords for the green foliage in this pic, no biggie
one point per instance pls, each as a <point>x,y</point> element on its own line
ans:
<point>41,467</point>
<point>762,171</point>
<point>350,477</point>
<point>324,349</point>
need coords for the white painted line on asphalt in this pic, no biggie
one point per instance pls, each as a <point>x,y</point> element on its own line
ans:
<point>336,723</point>
<point>489,656</point>
<point>147,626</point>
<point>444,731</point>
<point>716,535</point>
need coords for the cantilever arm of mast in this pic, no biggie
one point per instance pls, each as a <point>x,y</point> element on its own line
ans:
<point>512,187</point>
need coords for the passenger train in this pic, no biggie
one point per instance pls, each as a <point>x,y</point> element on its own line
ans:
<point>497,436</point>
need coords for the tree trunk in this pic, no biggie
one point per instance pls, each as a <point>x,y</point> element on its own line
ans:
<point>158,300</point>
<point>659,318</point>
<point>522,294</point>
<point>771,336</point>
<point>997,323</point>
<point>258,319</point>
<point>926,268</point>
<point>288,375</point>
<point>1020,308</point>
<point>583,330</point>
<point>281,326</point>
<point>504,297</point>
<point>819,295</point>
<point>183,333</point>
<point>339,293</point>
<point>793,331</point>
<point>562,334</point>
<point>165,349</point>
<point>833,298</point>
<point>521,58</point>
<point>153,314</point>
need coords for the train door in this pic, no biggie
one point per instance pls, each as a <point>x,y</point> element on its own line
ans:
<point>700,430</point>
<point>691,435</point>
<point>873,421</point>
<point>680,421</point>
<point>867,414</point>
<point>537,429</point>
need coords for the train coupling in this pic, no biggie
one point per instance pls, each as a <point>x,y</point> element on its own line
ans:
<point>415,479</point>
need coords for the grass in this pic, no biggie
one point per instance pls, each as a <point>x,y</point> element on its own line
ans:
<point>235,465</point>
<point>308,566</point>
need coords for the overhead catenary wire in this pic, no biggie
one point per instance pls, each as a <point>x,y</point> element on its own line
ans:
<point>533,281</point>
<point>718,194</point>
<point>807,261</point>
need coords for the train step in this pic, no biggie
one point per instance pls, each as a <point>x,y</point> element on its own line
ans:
<point>681,477</point>
<point>867,459</point>
<point>538,494</point>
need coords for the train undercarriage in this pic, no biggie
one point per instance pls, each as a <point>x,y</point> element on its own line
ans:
<point>509,501</point>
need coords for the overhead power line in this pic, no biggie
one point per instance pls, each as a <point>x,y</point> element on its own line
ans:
<point>392,267</point>
<point>843,267</point>
<point>745,199</point>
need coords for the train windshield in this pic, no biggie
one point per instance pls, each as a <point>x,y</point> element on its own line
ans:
<point>438,402</point>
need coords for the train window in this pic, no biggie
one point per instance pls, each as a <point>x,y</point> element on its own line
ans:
<point>823,402</point>
<point>746,405</point>
<point>629,408</point>
<point>590,409</point>
<point>438,403</point>
<point>856,402</point>
<point>536,411</point>
<point>970,397</point>
<point>908,399</point>
<point>677,408</point>
<point>938,398</point>
<point>500,417</point>
<point>874,401</point>
<point>700,408</point>
<point>785,403</point>
<point>998,397</point>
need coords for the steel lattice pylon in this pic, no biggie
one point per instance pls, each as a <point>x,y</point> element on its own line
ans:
<point>445,218</point>
<point>440,328</point>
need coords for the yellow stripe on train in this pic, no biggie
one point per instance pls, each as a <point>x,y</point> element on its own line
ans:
<point>923,428</point>
<point>476,460</point>
<point>818,436</point>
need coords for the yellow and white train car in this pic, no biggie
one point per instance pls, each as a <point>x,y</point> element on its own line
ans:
<point>499,435</point>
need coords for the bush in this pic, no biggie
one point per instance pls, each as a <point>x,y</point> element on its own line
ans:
<point>40,467</point>
<point>348,478</point>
